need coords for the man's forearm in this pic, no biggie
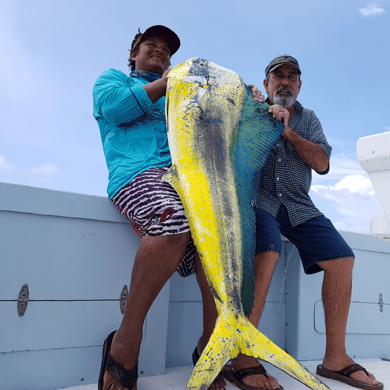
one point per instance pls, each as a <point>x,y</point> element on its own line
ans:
<point>156,89</point>
<point>311,153</point>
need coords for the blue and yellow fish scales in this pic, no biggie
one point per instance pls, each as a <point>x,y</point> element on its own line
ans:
<point>219,139</point>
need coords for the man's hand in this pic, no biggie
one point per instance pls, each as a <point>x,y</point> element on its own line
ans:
<point>281,114</point>
<point>257,95</point>
<point>311,153</point>
<point>157,89</point>
<point>165,74</point>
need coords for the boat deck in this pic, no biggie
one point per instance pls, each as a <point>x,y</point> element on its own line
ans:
<point>176,378</point>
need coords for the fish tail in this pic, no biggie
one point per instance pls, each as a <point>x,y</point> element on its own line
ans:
<point>235,335</point>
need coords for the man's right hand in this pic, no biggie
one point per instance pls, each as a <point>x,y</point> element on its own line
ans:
<point>157,89</point>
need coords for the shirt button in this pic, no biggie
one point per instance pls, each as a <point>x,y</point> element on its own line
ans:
<point>277,178</point>
<point>280,194</point>
<point>279,160</point>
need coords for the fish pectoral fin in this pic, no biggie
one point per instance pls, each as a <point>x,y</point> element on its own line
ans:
<point>171,176</point>
<point>201,98</point>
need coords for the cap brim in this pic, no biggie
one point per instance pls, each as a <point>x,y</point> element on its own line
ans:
<point>281,64</point>
<point>165,33</point>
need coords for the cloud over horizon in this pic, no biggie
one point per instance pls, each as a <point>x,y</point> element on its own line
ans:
<point>5,164</point>
<point>371,10</point>
<point>355,199</point>
<point>46,169</point>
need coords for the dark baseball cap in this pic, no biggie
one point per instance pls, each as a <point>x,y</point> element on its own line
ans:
<point>167,34</point>
<point>282,60</point>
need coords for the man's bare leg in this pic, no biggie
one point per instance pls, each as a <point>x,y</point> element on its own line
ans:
<point>336,296</point>
<point>264,268</point>
<point>210,315</point>
<point>156,261</point>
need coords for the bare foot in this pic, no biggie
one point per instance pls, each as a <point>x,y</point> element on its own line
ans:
<point>337,364</point>
<point>257,381</point>
<point>219,382</point>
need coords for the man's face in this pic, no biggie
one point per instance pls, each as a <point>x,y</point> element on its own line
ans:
<point>153,55</point>
<point>283,86</point>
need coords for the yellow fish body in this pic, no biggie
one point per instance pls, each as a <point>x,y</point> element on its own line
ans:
<point>215,168</point>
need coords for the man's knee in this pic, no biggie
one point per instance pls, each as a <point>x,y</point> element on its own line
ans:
<point>178,240</point>
<point>342,264</point>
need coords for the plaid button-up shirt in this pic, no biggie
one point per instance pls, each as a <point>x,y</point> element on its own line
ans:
<point>285,178</point>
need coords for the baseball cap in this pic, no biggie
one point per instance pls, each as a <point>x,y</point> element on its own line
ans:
<point>167,34</point>
<point>282,60</point>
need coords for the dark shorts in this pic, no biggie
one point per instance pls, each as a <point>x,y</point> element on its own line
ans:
<point>316,239</point>
<point>154,208</point>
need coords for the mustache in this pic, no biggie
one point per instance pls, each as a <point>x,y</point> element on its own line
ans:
<point>285,89</point>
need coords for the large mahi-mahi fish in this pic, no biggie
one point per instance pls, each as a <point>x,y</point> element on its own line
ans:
<point>219,139</point>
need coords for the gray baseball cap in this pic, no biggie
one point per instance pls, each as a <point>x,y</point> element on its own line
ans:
<point>282,60</point>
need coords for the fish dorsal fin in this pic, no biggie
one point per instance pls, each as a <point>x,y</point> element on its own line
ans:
<point>257,133</point>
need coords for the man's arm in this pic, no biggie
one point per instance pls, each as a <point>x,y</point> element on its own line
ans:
<point>118,104</point>
<point>157,89</point>
<point>310,153</point>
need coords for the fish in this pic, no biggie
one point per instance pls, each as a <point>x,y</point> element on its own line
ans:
<point>219,139</point>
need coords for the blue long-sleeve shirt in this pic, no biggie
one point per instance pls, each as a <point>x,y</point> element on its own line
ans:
<point>132,128</point>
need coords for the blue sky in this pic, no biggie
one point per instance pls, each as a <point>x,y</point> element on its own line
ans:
<point>53,51</point>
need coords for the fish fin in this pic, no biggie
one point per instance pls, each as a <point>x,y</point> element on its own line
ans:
<point>257,133</point>
<point>234,335</point>
<point>218,351</point>
<point>259,346</point>
<point>172,177</point>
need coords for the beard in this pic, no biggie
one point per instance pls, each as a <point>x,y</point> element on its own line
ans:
<point>283,100</point>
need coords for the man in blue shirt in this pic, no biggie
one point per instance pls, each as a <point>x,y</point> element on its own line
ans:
<point>130,111</point>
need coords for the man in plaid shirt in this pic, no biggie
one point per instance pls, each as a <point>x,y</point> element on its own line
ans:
<point>283,206</point>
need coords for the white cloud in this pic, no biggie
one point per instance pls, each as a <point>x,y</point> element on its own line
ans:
<point>356,183</point>
<point>340,225</point>
<point>356,202</point>
<point>371,10</point>
<point>5,164</point>
<point>340,165</point>
<point>46,169</point>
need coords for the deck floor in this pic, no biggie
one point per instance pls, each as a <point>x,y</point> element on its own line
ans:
<point>176,378</point>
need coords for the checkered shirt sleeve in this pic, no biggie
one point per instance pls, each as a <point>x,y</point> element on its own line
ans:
<point>285,178</point>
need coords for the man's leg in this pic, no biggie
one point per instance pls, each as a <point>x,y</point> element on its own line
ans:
<point>210,315</point>
<point>336,296</point>
<point>264,268</point>
<point>156,261</point>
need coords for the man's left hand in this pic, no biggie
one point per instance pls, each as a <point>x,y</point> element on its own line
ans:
<point>257,95</point>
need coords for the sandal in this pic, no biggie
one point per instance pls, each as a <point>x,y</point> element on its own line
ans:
<point>237,377</point>
<point>344,375</point>
<point>127,378</point>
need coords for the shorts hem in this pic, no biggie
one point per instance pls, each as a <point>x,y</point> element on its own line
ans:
<point>315,267</point>
<point>269,249</point>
